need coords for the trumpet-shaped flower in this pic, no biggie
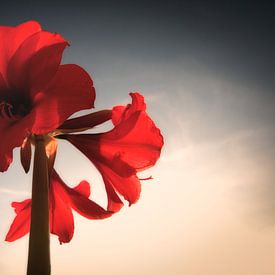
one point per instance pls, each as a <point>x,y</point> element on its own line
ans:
<point>133,145</point>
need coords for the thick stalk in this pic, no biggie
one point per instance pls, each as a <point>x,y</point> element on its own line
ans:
<point>39,242</point>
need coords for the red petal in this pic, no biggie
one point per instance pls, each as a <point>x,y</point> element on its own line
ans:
<point>61,217</point>
<point>114,202</point>
<point>10,40</point>
<point>36,61</point>
<point>83,188</point>
<point>70,91</point>
<point>21,224</point>
<point>129,187</point>
<point>117,113</point>
<point>120,113</point>
<point>45,63</point>
<point>136,140</point>
<point>87,121</point>
<point>114,172</point>
<point>80,202</point>
<point>12,135</point>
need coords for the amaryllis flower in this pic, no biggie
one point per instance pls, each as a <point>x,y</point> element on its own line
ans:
<point>37,94</point>
<point>133,145</point>
<point>62,200</point>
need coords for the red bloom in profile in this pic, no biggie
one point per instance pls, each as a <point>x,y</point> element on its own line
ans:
<point>37,94</point>
<point>134,144</point>
<point>62,200</point>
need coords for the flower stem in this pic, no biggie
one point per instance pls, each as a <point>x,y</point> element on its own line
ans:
<point>39,241</point>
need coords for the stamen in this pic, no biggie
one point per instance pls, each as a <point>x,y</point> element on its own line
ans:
<point>6,110</point>
<point>148,178</point>
<point>12,111</point>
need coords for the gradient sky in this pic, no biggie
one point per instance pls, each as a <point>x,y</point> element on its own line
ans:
<point>207,74</point>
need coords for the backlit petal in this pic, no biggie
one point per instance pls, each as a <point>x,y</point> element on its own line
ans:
<point>12,135</point>
<point>114,172</point>
<point>120,113</point>
<point>71,91</point>
<point>21,224</point>
<point>36,61</point>
<point>80,202</point>
<point>136,140</point>
<point>61,217</point>
<point>83,188</point>
<point>10,40</point>
<point>114,202</point>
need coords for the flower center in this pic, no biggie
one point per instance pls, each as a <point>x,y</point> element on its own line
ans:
<point>13,110</point>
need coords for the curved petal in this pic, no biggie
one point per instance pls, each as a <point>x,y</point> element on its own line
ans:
<point>87,208</point>
<point>114,172</point>
<point>36,61</point>
<point>61,217</point>
<point>129,187</point>
<point>142,142</point>
<point>120,113</point>
<point>12,135</point>
<point>114,202</point>
<point>10,40</point>
<point>137,141</point>
<point>70,91</point>
<point>21,224</point>
<point>83,188</point>
<point>117,113</point>
<point>80,202</point>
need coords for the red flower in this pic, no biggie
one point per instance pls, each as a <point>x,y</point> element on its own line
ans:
<point>62,200</point>
<point>37,94</point>
<point>133,145</point>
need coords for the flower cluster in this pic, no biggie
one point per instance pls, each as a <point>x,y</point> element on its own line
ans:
<point>37,97</point>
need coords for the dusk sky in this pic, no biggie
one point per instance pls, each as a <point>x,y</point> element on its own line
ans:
<point>208,76</point>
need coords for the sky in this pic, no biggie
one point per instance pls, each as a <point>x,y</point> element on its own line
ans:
<point>207,74</point>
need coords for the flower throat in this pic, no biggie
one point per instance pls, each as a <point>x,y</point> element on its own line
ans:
<point>14,109</point>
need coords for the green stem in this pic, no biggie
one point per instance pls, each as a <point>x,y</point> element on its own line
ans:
<point>39,241</point>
